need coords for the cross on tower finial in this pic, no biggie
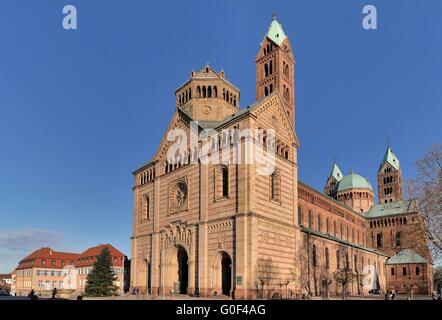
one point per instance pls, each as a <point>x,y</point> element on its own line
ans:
<point>334,158</point>
<point>274,16</point>
<point>388,142</point>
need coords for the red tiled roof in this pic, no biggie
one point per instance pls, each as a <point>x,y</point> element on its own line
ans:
<point>53,259</point>
<point>88,257</point>
<point>95,251</point>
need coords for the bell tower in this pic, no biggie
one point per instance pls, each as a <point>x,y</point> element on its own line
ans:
<point>275,68</point>
<point>389,178</point>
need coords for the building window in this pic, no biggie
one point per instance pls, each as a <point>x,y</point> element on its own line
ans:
<point>338,261</point>
<point>43,262</point>
<point>319,222</point>
<point>327,259</point>
<point>53,263</point>
<point>275,186</point>
<point>314,256</point>
<point>404,271</point>
<point>379,240</point>
<point>146,207</point>
<point>398,238</point>
<point>221,182</point>
<point>347,262</point>
<point>334,229</point>
<point>299,216</point>
<point>63,263</point>
<point>225,181</point>
<point>417,271</point>
<point>392,271</point>
<point>310,218</point>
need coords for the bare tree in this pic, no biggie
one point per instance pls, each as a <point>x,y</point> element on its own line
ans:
<point>345,277</point>
<point>427,189</point>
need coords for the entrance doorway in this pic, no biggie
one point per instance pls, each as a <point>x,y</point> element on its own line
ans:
<point>226,271</point>
<point>183,270</point>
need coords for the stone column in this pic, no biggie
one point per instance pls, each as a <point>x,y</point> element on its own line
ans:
<point>156,237</point>
<point>203,279</point>
<point>155,263</point>
<point>192,262</point>
<point>241,257</point>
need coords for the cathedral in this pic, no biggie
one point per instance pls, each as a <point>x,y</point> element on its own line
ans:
<point>202,228</point>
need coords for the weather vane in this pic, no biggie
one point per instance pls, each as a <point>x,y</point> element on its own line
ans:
<point>274,15</point>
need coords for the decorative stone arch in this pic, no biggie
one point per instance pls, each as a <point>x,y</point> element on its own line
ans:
<point>221,280</point>
<point>177,259</point>
<point>176,269</point>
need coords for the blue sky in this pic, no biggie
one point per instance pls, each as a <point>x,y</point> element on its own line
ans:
<point>80,110</point>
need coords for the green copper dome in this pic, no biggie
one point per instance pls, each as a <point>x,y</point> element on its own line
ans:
<point>354,181</point>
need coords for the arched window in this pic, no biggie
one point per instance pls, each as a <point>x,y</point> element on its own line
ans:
<point>314,256</point>
<point>338,260</point>
<point>398,238</point>
<point>327,227</point>
<point>379,240</point>
<point>266,70</point>
<point>417,271</point>
<point>225,177</point>
<point>215,92</point>
<point>271,88</point>
<point>275,186</point>
<point>198,91</point>
<point>146,207</point>
<point>266,91</point>
<point>209,92</point>
<point>204,92</point>
<point>404,271</point>
<point>347,261</point>
<point>299,216</point>
<point>392,271</point>
<point>327,259</point>
<point>271,67</point>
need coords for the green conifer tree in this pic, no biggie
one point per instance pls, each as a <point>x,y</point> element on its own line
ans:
<point>100,281</point>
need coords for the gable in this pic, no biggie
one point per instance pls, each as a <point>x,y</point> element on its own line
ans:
<point>273,104</point>
<point>179,120</point>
